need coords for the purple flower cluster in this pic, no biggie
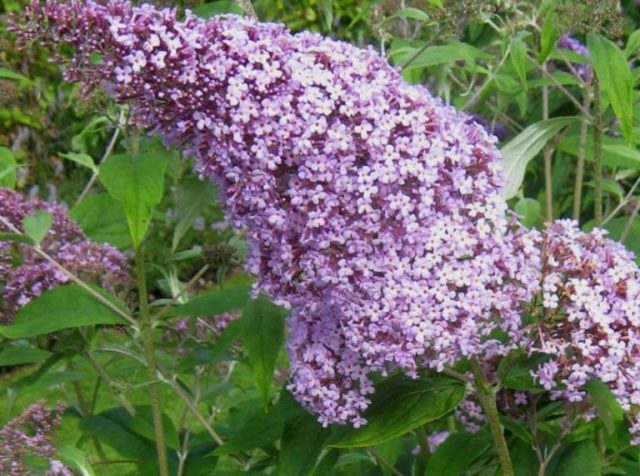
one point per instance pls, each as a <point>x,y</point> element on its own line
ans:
<point>372,209</point>
<point>349,182</point>
<point>567,42</point>
<point>31,434</point>
<point>590,326</point>
<point>26,275</point>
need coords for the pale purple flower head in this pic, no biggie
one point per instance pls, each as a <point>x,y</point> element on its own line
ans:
<point>25,275</point>
<point>591,320</point>
<point>372,209</point>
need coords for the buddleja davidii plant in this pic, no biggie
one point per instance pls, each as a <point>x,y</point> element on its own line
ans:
<point>319,330</point>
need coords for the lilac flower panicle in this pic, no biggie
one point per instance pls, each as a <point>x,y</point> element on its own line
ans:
<point>591,301</point>
<point>348,181</point>
<point>31,433</point>
<point>65,242</point>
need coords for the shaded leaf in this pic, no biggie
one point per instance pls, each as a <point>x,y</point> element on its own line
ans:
<point>448,459</point>
<point>228,298</point>
<point>609,410</point>
<point>578,459</point>
<point>192,197</point>
<point>20,355</point>
<point>263,335</point>
<point>260,429</point>
<point>399,405</point>
<point>302,440</point>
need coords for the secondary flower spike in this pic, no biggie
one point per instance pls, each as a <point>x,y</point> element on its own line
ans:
<point>25,275</point>
<point>373,210</point>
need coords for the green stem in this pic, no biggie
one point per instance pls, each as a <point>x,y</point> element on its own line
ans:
<point>85,411</point>
<point>582,141</point>
<point>147,336</point>
<point>487,397</point>
<point>597,152</point>
<point>548,155</point>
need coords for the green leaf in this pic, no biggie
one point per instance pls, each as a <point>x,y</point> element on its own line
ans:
<point>118,437</point>
<point>263,334</point>
<point>633,43</point>
<point>138,183</point>
<point>142,424</point>
<point>616,227</point>
<point>75,458</point>
<point>579,459</point>
<point>630,155</point>
<point>615,77</point>
<point>192,197</point>
<point>219,300</point>
<point>20,355</point>
<point>121,431</point>
<point>208,10</point>
<point>399,405</point>
<point>9,74</point>
<point>302,440</point>
<point>103,220</point>
<point>448,459</point>
<point>36,226</point>
<point>435,55</point>
<point>8,168</point>
<point>16,237</point>
<point>517,153</point>
<point>412,13</point>
<point>260,429</point>
<point>59,308</point>
<point>519,59</point>
<point>326,10</point>
<point>81,159</point>
<point>50,379</point>
<point>529,210</point>
<point>615,152</point>
<point>548,36</point>
<point>609,409</point>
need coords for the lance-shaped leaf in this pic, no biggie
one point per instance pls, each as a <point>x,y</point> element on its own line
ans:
<point>8,168</point>
<point>517,153</point>
<point>263,334</point>
<point>615,79</point>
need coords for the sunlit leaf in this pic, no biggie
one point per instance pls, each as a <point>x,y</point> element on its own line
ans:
<point>137,182</point>
<point>613,71</point>
<point>517,153</point>
<point>59,308</point>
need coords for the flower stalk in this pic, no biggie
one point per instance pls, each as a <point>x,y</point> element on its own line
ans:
<point>487,397</point>
<point>147,336</point>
